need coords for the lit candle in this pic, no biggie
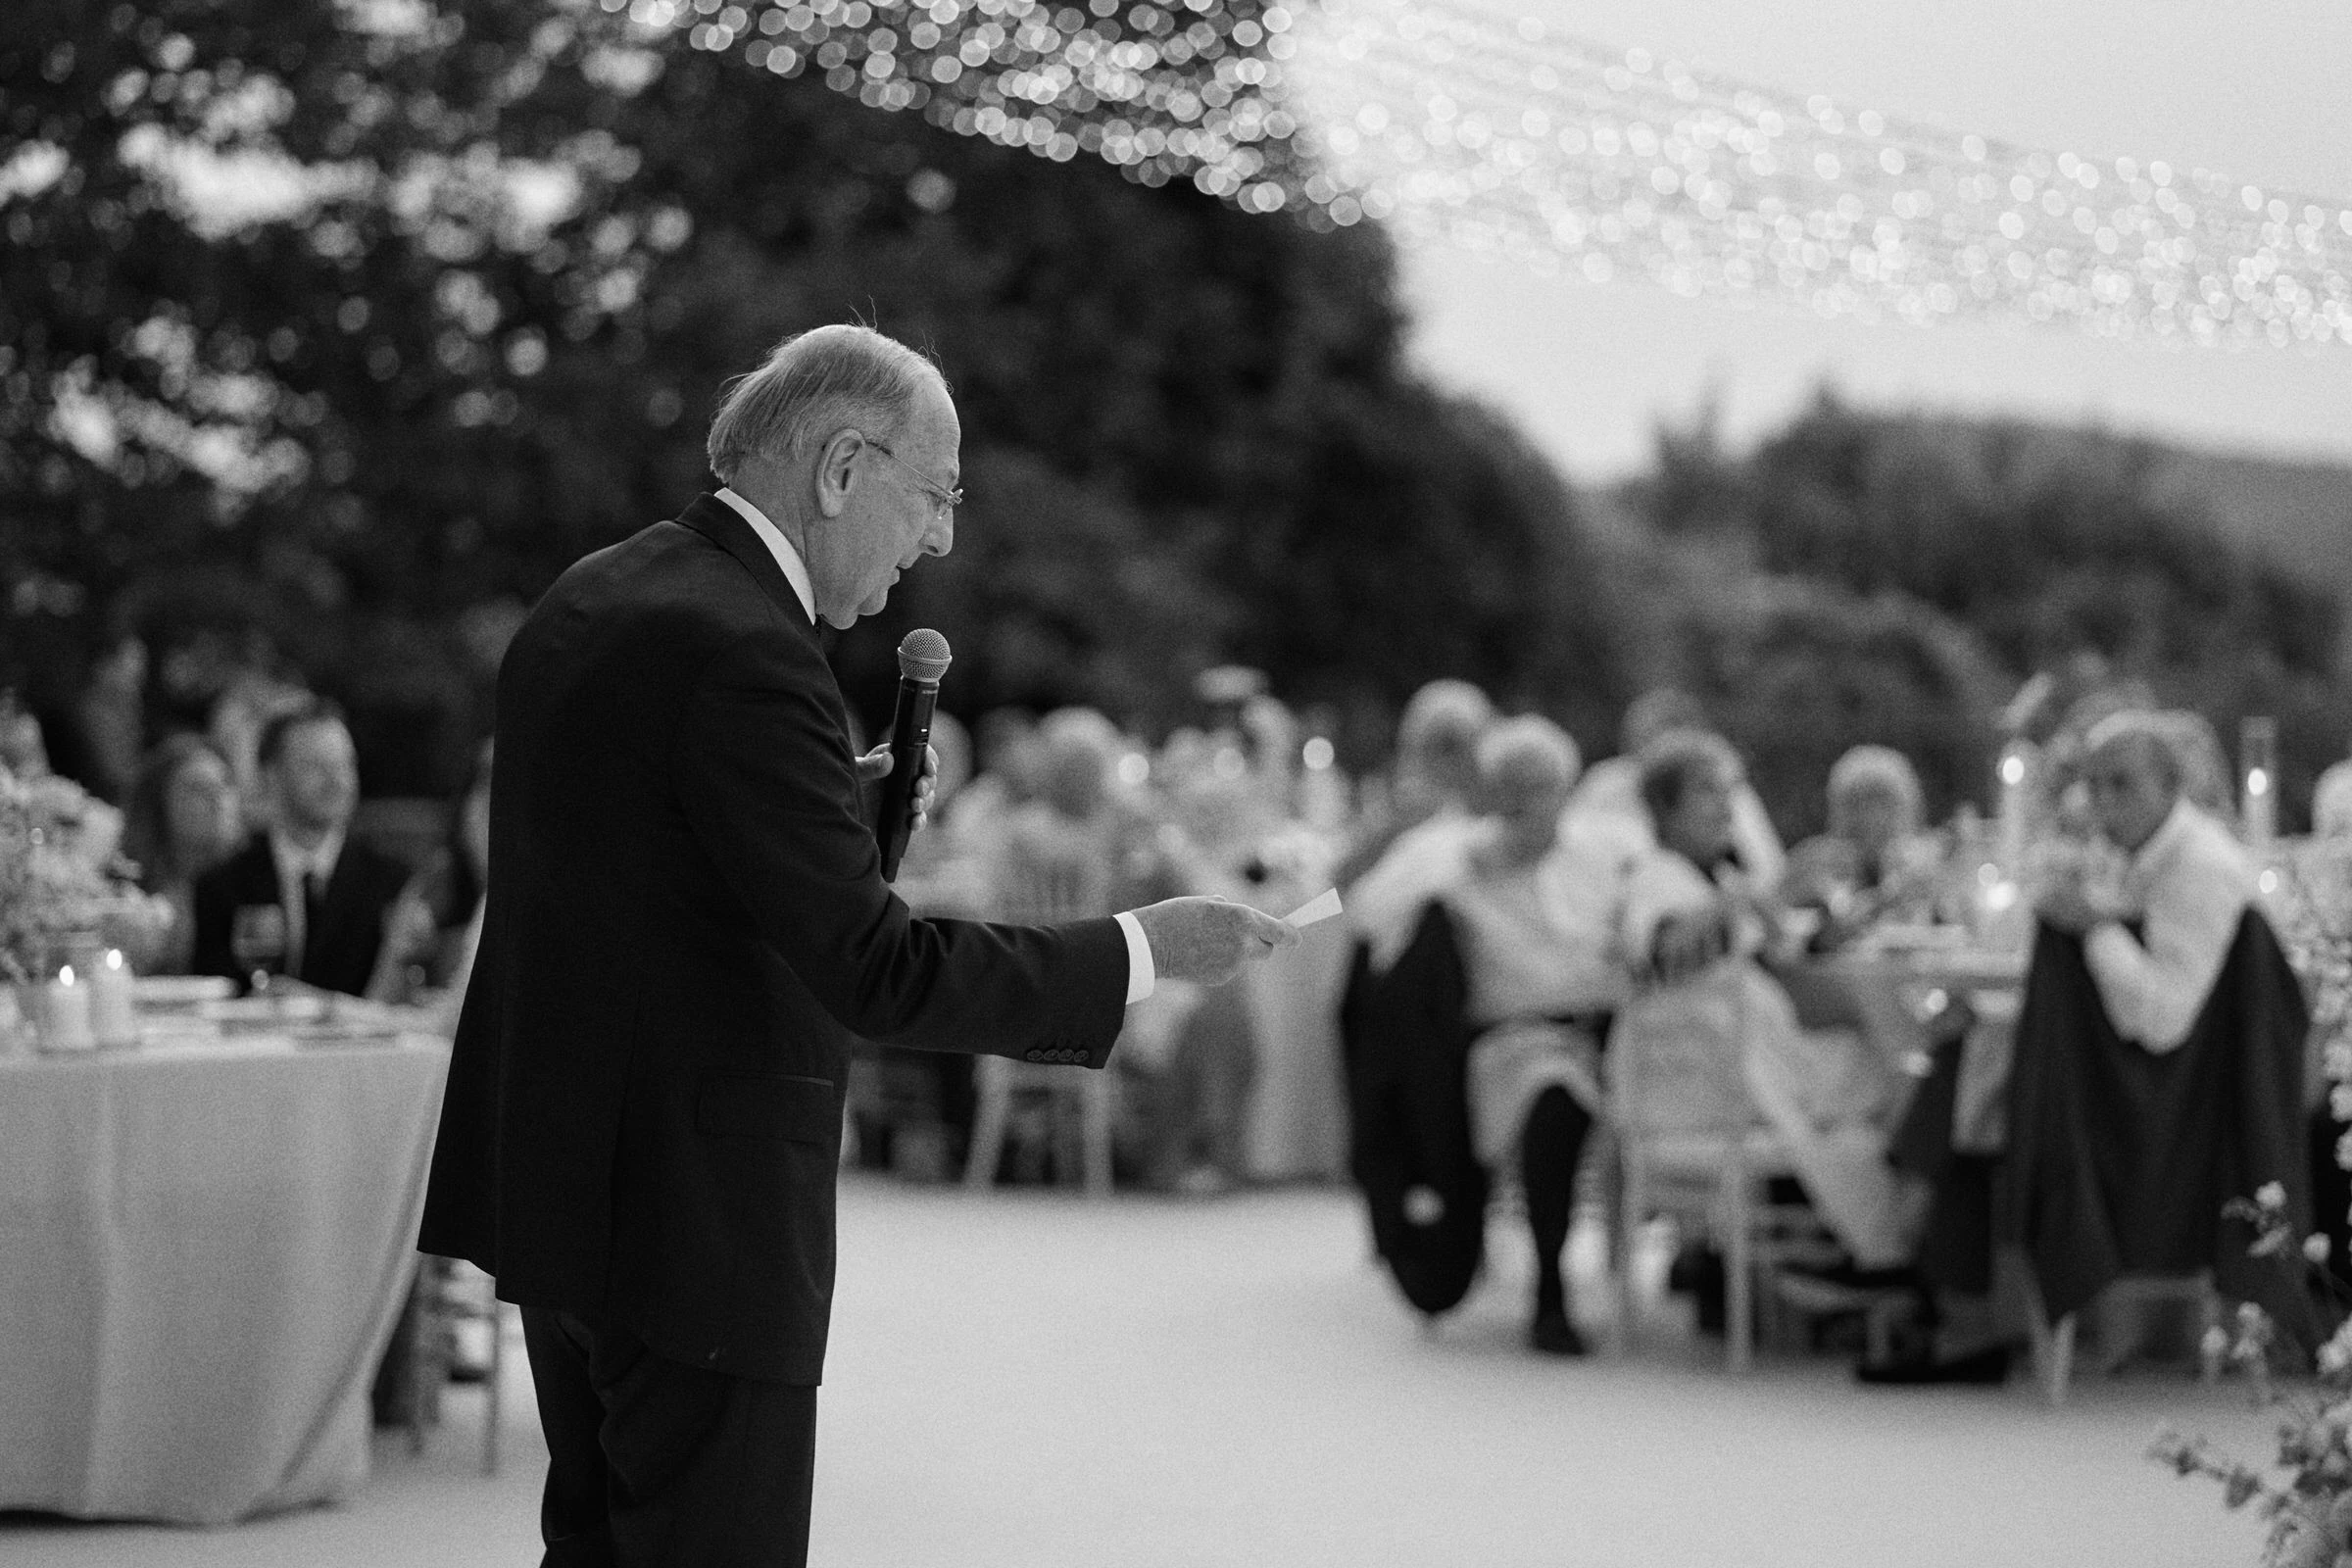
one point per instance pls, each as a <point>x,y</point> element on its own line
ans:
<point>65,1010</point>
<point>2258,755</point>
<point>113,1017</point>
<point>2009,845</point>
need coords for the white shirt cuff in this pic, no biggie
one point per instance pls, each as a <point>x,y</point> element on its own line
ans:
<point>1142,975</point>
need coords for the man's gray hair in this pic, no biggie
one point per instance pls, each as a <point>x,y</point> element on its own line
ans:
<point>813,385</point>
<point>2153,733</point>
<point>1444,718</point>
<point>1866,769</point>
<point>1529,749</point>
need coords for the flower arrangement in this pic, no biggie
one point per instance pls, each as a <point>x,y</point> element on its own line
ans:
<point>2307,890</point>
<point>61,877</point>
<point>2307,1498</point>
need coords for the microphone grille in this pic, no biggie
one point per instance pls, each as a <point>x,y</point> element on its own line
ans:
<point>923,655</point>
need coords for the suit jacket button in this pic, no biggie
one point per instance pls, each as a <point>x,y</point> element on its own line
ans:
<point>1037,1056</point>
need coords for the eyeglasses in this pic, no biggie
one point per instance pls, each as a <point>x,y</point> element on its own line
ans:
<point>944,499</point>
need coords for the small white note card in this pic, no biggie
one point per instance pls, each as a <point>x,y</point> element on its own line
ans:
<point>1322,907</point>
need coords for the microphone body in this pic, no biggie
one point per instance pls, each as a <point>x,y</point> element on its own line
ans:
<point>922,659</point>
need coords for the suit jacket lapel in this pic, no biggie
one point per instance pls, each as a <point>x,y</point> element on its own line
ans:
<point>724,527</point>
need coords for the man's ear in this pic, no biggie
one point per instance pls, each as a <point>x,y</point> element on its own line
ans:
<point>836,473</point>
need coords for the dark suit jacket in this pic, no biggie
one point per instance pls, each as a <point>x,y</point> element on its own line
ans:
<point>687,925</point>
<point>1409,1114</point>
<point>340,950</point>
<point>2121,1162</point>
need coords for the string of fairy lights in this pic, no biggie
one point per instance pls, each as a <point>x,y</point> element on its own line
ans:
<point>1448,120</point>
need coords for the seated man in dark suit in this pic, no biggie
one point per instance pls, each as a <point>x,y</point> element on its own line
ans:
<point>2158,1063</point>
<point>312,902</point>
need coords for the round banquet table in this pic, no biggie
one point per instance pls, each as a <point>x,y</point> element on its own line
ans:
<point>203,1250</point>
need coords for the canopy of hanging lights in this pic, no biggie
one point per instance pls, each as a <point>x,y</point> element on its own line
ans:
<point>1448,120</point>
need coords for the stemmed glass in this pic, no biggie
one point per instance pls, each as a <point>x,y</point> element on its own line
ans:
<point>256,940</point>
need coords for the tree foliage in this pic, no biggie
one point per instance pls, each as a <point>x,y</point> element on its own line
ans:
<point>2001,549</point>
<point>517,247</point>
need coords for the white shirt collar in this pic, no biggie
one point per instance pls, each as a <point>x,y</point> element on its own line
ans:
<point>796,571</point>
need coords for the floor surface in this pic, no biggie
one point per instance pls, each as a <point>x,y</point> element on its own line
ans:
<point>1032,1380</point>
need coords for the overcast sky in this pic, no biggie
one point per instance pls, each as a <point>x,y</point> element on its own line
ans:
<point>2260,90</point>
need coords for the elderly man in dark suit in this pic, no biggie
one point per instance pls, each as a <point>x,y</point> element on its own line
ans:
<point>317,901</point>
<point>687,924</point>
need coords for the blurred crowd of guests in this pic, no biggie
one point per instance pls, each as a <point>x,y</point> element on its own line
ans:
<point>1553,916</point>
<point>1557,924</point>
<point>243,829</point>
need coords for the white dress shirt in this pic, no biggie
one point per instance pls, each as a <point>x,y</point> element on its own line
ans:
<point>1142,973</point>
<point>2191,883</point>
<point>294,864</point>
<point>1542,940</point>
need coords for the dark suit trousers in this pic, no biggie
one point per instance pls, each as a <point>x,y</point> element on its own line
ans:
<point>653,1461</point>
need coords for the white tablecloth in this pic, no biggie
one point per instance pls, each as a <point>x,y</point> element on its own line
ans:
<point>1297,1124</point>
<point>202,1253</point>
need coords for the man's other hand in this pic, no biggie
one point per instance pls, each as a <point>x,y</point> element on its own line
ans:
<point>1208,939</point>
<point>876,765</point>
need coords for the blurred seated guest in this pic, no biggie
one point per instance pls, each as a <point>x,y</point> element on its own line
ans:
<point>1002,741</point>
<point>24,754</point>
<point>182,823</point>
<point>2332,803</point>
<point>1068,832</point>
<point>301,898</point>
<point>1606,812</point>
<point>1401,859</point>
<point>435,928</point>
<point>2158,1071</point>
<point>1481,1042</point>
<point>2205,781</point>
<point>251,698</point>
<point>1184,1101</point>
<point>1691,929</point>
<point>109,722</point>
<point>1186,1094</point>
<point>1536,924</point>
<point>1873,863</point>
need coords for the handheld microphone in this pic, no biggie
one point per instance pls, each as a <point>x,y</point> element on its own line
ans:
<point>923,658</point>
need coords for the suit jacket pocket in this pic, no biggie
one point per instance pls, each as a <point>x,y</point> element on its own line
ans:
<point>775,1106</point>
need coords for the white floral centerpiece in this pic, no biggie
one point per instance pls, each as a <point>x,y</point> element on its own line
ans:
<point>61,877</point>
<point>2308,892</point>
<point>2306,1493</point>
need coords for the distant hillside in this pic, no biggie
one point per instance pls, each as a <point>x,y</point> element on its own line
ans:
<point>2298,515</point>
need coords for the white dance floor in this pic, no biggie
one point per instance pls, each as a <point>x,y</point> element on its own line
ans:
<point>1032,1382</point>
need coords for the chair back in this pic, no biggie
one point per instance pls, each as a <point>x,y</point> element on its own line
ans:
<point>1675,1058</point>
<point>1044,879</point>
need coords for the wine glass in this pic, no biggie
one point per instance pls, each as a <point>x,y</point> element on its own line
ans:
<point>256,940</point>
